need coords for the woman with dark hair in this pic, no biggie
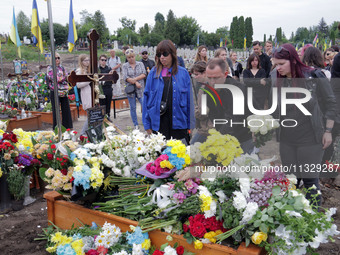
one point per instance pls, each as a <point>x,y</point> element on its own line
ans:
<point>237,66</point>
<point>201,54</point>
<point>168,101</point>
<point>313,58</point>
<point>255,77</point>
<point>304,137</point>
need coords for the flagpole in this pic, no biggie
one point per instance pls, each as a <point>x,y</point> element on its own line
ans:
<point>2,76</point>
<point>56,97</point>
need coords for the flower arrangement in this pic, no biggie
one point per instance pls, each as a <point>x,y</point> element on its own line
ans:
<point>221,149</point>
<point>262,127</point>
<point>41,86</point>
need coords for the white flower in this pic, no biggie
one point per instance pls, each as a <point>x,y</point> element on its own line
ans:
<point>221,196</point>
<point>137,249</point>
<point>239,201</point>
<point>332,231</point>
<point>292,178</point>
<point>293,213</point>
<point>169,251</point>
<point>126,171</point>
<point>244,184</point>
<point>313,187</point>
<point>320,238</point>
<point>249,212</point>
<point>329,213</point>
<point>168,229</point>
<point>263,130</point>
<point>282,232</point>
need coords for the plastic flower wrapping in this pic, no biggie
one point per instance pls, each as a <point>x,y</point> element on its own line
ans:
<point>262,126</point>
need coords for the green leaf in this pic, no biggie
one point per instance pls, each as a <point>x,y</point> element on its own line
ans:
<point>298,205</point>
<point>271,211</point>
<point>163,246</point>
<point>270,220</point>
<point>175,245</point>
<point>247,242</point>
<point>188,237</point>
<point>278,205</point>
<point>288,208</point>
<point>276,191</point>
<point>264,228</point>
<point>264,217</point>
<point>257,223</point>
<point>42,171</point>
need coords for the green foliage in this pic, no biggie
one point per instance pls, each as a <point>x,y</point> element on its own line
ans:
<point>98,21</point>
<point>23,25</point>
<point>279,34</point>
<point>16,180</point>
<point>128,23</point>
<point>248,26</point>
<point>28,52</point>
<point>171,30</point>
<point>60,32</point>
<point>188,27</point>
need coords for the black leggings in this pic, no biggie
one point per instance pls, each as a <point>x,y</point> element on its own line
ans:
<point>65,111</point>
<point>307,156</point>
<point>107,90</point>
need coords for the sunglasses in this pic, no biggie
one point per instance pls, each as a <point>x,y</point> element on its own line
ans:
<point>103,60</point>
<point>279,49</point>
<point>165,54</point>
<point>144,53</point>
<point>57,57</point>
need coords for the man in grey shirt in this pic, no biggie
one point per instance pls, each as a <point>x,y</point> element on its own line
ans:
<point>115,64</point>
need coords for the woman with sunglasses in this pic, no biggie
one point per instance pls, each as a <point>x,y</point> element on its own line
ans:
<point>303,138</point>
<point>328,56</point>
<point>134,74</point>
<point>107,85</point>
<point>167,100</point>
<point>62,92</point>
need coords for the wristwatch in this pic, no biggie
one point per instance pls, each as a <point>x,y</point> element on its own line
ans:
<point>328,130</point>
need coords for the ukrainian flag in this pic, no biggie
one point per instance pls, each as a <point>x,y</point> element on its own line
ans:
<point>14,35</point>
<point>245,42</point>
<point>35,27</point>
<point>72,31</point>
<point>221,42</point>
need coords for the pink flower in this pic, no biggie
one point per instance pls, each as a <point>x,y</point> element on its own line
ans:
<point>158,171</point>
<point>171,186</point>
<point>180,197</point>
<point>163,157</point>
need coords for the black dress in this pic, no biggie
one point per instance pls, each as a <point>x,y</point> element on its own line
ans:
<point>165,126</point>
<point>259,91</point>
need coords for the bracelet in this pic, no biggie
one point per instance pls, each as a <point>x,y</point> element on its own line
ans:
<point>328,130</point>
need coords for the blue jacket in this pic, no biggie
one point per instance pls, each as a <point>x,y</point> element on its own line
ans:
<point>183,106</point>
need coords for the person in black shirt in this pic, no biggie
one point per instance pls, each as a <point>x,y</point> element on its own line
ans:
<point>148,63</point>
<point>107,85</point>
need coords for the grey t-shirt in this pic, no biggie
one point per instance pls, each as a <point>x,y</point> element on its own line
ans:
<point>112,62</point>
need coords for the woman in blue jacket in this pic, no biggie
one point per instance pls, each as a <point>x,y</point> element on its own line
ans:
<point>168,102</point>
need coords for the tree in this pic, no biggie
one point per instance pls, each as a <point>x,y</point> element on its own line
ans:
<point>128,23</point>
<point>264,39</point>
<point>60,32</point>
<point>159,24</point>
<point>160,18</point>
<point>248,27</point>
<point>291,37</point>
<point>301,34</point>
<point>23,24</point>
<point>98,21</point>
<point>144,30</point>
<point>171,30</point>
<point>323,28</point>
<point>233,30</point>
<point>85,17</point>
<point>270,38</point>
<point>279,34</point>
<point>240,33</point>
<point>188,27</point>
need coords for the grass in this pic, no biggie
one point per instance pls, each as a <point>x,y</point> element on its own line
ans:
<point>30,53</point>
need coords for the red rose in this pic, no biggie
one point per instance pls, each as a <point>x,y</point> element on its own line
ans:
<point>49,156</point>
<point>180,250</point>
<point>102,250</point>
<point>68,129</point>
<point>50,141</point>
<point>185,228</point>
<point>92,252</point>
<point>63,171</point>
<point>75,132</point>
<point>158,252</point>
<point>72,179</point>
<point>53,146</point>
<point>198,229</point>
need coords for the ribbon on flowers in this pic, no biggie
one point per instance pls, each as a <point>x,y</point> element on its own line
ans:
<point>161,195</point>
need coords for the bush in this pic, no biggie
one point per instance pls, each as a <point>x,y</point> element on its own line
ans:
<point>16,181</point>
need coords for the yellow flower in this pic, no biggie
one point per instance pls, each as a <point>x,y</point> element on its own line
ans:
<point>51,249</point>
<point>146,244</point>
<point>0,172</point>
<point>206,201</point>
<point>198,245</point>
<point>78,246</point>
<point>258,237</point>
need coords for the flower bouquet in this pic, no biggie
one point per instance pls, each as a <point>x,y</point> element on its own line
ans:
<point>262,127</point>
<point>173,158</point>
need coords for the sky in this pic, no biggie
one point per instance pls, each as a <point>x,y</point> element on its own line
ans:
<point>211,14</point>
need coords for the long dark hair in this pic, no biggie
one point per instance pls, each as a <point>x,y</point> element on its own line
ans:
<point>167,45</point>
<point>313,57</point>
<point>251,58</point>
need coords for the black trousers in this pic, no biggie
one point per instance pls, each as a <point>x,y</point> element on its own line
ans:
<point>65,111</point>
<point>107,90</point>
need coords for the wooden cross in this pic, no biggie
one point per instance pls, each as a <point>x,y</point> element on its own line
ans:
<point>19,76</point>
<point>94,77</point>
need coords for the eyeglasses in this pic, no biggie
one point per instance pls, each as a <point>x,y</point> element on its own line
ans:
<point>165,54</point>
<point>103,60</point>
<point>57,57</point>
<point>144,53</point>
<point>85,60</point>
<point>129,51</point>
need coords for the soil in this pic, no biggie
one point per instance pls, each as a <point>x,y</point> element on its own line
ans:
<point>20,228</point>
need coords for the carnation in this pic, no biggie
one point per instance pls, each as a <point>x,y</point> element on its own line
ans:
<point>239,201</point>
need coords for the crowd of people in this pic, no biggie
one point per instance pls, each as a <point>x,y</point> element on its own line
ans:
<point>171,96</point>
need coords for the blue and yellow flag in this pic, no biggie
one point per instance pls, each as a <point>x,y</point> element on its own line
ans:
<point>245,42</point>
<point>221,42</point>
<point>303,43</point>
<point>72,31</point>
<point>325,45</point>
<point>14,35</point>
<point>35,27</point>
<point>330,44</point>
<point>198,40</point>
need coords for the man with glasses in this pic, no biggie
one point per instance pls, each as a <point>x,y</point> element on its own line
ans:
<point>107,85</point>
<point>148,63</point>
<point>115,64</point>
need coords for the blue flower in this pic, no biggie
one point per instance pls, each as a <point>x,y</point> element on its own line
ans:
<point>94,225</point>
<point>82,177</point>
<point>137,237</point>
<point>72,156</point>
<point>77,236</point>
<point>65,250</point>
